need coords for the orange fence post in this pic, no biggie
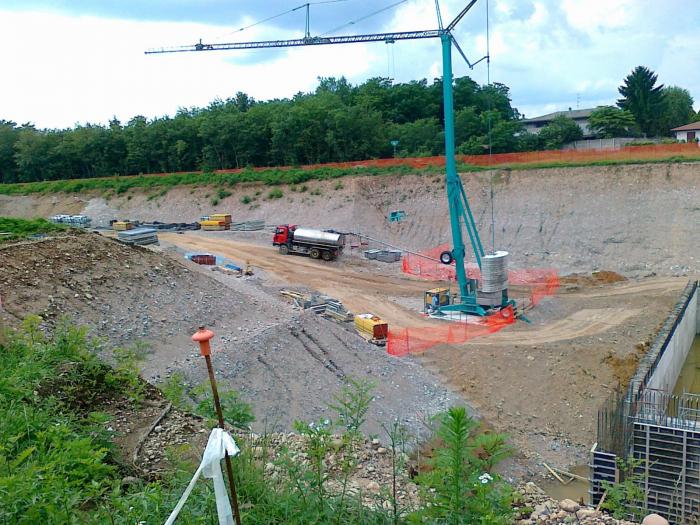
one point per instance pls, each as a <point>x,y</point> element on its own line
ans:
<point>203,336</point>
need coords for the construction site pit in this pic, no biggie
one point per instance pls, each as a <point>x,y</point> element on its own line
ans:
<point>541,382</point>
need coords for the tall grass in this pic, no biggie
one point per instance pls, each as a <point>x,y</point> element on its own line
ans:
<point>21,228</point>
<point>270,177</point>
<point>291,176</point>
<point>58,463</point>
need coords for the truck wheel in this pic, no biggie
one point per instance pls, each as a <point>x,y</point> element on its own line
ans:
<point>315,253</point>
<point>326,256</point>
<point>284,249</point>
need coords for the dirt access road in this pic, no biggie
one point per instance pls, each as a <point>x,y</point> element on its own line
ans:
<point>541,382</point>
<point>361,291</point>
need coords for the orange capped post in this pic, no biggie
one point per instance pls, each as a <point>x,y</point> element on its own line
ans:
<point>202,336</point>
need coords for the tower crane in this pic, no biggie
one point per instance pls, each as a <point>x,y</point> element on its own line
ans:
<point>471,300</point>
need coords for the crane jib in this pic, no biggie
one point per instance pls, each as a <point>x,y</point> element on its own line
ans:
<point>306,41</point>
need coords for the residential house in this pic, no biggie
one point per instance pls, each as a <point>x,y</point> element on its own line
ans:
<point>688,133</point>
<point>580,116</point>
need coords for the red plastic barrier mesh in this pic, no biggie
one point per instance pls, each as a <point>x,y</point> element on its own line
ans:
<point>540,281</point>
<point>406,341</point>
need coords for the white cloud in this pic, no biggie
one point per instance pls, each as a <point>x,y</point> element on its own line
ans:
<point>60,69</point>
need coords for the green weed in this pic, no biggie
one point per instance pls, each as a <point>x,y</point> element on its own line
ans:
<point>275,194</point>
<point>222,193</point>
<point>21,228</point>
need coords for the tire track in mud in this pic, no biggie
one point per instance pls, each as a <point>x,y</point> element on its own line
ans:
<point>327,363</point>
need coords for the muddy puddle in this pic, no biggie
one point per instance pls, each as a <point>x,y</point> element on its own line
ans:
<point>574,490</point>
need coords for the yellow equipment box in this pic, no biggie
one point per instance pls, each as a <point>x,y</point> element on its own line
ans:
<point>213,225</point>
<point>436,297</point>
<point>121,226</point>
<point>225,217</point>
<point>372,328</point>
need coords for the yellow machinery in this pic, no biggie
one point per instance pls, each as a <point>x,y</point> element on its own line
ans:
<point>372,328</point>
<point>121,226</point>
<point>212,225</point>
<point>436,298</point>
<point>222,217</point>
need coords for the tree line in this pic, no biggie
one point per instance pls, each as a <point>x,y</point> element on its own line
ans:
<point>336,122</point>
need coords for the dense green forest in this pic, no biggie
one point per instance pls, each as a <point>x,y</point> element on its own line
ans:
<point>337,122</point>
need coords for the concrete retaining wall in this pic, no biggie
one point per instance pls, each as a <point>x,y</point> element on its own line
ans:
<point>669,366</point>
<point>660,368</point>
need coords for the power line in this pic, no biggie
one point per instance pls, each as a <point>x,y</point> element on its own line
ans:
<point>278,15</point>
<point>353,22</point>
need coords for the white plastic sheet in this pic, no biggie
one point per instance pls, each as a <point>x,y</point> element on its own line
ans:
<point>219,443</point>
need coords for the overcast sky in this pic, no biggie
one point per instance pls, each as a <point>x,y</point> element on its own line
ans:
<point>74,61</point>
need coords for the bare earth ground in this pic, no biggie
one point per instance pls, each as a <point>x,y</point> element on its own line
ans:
<point>542,383</point>
<point>288,364</point>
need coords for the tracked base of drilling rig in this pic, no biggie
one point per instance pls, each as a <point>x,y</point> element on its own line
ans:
<point>480,297</point>
<point>440,303</point>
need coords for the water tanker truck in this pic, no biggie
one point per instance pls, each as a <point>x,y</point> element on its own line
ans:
<point>317,244</point>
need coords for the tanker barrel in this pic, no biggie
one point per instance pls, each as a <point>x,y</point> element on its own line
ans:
<point>318,237</point>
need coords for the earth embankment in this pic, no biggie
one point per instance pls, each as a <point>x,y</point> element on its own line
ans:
<point>632,219</point>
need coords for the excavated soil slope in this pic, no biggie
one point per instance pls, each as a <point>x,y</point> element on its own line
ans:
<point>287,364</point>
<point>541,382</point>
<point>634,219</point>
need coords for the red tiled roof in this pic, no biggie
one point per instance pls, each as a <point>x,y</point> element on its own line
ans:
<point>688,127</point>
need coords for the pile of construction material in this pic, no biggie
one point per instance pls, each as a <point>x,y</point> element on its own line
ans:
<point>388,256</point>
<point>320,304</point>
<point>138,236</point>
<point>248,226</point>
<point>206,259</point>
<point>78,221</point>
<point>170,226</point>
<point>120,226</point>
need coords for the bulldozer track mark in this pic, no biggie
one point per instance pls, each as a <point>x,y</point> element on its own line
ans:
<point>347,346</point>
<point>329,364</point>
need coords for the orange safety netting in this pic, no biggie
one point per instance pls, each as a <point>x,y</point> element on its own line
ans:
<point>540,282</point>
<point>406,341</point>
<point>689,151</point>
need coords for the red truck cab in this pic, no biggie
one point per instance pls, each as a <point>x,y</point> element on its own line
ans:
<point>283,233</point>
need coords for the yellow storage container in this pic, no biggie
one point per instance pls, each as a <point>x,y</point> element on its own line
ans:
<point>213,225</point>
<point>225,217</point>
<point>121,226</point>
<point>371,327</point>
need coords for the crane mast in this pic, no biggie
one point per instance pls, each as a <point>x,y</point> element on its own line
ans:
<point>470,301</point>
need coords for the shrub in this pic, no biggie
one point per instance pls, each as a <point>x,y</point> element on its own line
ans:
<point>222,193</point>
<point>275,194</point>
<point>462,489</point>
<point>246,199</point>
